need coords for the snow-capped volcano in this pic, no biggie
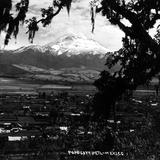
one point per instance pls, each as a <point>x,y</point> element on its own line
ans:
<point>72,44</point>
<point>67,51</point>
<point>68,45</point>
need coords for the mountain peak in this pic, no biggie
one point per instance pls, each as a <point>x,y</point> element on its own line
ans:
<point>72,44</point>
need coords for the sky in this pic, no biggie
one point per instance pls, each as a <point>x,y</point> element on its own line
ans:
<point>78,22</point>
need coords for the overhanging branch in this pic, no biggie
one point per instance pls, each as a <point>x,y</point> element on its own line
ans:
<point>139,31</point>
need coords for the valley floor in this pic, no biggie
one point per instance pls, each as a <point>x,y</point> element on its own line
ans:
<point>56,122</point>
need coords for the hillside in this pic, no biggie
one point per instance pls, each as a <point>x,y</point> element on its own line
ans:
<point>11,70</point>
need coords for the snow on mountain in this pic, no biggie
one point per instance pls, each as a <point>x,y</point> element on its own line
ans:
<point>68,45</point>
<point>72,44</point>
<point>34,48</point>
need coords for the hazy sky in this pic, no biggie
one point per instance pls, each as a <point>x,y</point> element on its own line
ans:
<point>78,22</point>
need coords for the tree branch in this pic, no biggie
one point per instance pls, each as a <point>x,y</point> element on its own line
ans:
<point>52,15</point>
<point>151,23</point>
<point>139,31</point>
<point>127,30</point>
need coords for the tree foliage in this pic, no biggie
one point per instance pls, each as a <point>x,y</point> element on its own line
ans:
<point>11,24</point>
<point>8,22</point>
<point>138,59</point>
